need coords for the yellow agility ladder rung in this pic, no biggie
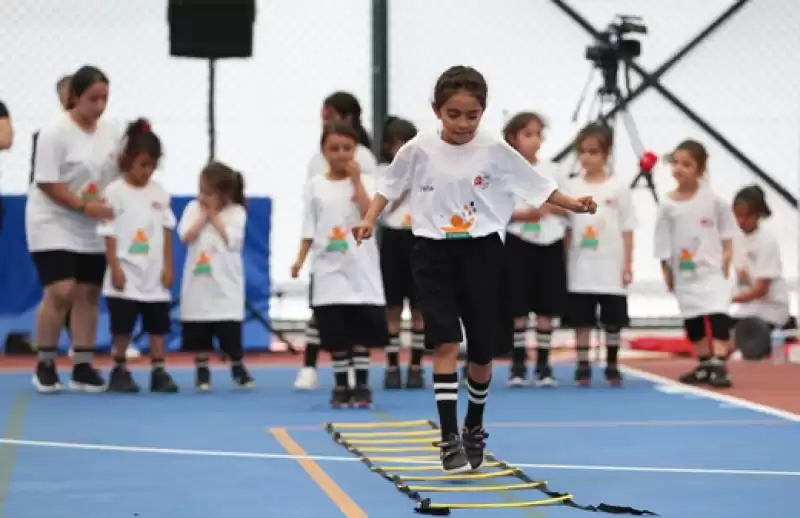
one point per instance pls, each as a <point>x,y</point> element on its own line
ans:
<point>397,450</point>
<point>378,424</point>
<point>422,459</point>
<point>408,433</point>
<point>475,489</point>
<point>422,467</point>
<point>426,505</point>
<point>365,442</point>
<point>464,476</point>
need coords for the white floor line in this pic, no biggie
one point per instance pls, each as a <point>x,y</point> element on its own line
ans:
<point>709,394</point>
<point>327,458</point>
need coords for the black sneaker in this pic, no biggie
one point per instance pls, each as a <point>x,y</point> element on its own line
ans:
<point>699,376</point>
<point>613,376</point>
<point>121,381</point>
<point>340,397</point>
<point>415,378</point>
<point>161,381</point>
<point>518,375</point>
<point>86,378</point>
<point>718,377</point>
<point>474,442</point>
<point>46,378</point>
<point>361,397</point>
<point>583,374</point>
<point>202,378</point>
<point>241,377</point>
<point>392,380</point>
<point>453,457</point>
<point>544,377</point>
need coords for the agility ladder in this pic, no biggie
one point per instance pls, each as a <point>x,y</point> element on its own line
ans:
<point>420,436</point>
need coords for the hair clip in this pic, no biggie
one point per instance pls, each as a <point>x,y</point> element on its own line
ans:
<point>145,127</point>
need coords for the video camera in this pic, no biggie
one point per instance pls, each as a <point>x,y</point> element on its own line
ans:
<point>611,45</point>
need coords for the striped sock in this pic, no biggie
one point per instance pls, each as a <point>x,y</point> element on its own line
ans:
<point>583,353</point>
<point>361,359</point>
<point>47,354</point>
<point>393,351</point>
<point>612,348</point>
<point>417,347</point>
<point>341,367</point>
<point>445,387</point>
<point>311,353</point>
<point>544,340</point>
<point>477,393</point>
<point>519,354</point>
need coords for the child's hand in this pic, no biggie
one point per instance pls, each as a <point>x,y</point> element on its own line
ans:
<point>166,277</point>
<point>98,210</point>
<point>118,279</point>
<point>743,277</point>
<point>363,230</point>
<point>353,171</point>
<point>295,269</point>
<point>726,267</point>
<point>585,204</point>
<point>627,276</point>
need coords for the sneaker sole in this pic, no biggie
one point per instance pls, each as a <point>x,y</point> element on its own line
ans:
<point>46,389</point>
<point>546,384</point>
<point>518,383</point>
<point>466,468</point>
<point>84,387</point>
<point>205,387</point>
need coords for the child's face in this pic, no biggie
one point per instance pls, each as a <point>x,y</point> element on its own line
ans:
<point>209,197</point>
<point>460,115</point>
<point>142,168</point>
<point>685,168</point>
<point>747,220</point>
<point>330,115</point>
<point>92,103</point>
<point>592,155</point>
<point>528,140</point>
<point>338,150</point>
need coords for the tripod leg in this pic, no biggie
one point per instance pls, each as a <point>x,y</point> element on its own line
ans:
<point>254,313</point>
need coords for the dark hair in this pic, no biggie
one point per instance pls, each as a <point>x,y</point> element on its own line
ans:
<point>342,128</point>
<point>64,81</point>
<point>139,138</point>
<point>458,78</point>
<point>395,130</point>
<point>347,106</point>
<point>519,122</point>
<point>696,150</point>
<point>225,180</point>
<point>753,196</point>
<point>82,80</point>
<point>597,130</point>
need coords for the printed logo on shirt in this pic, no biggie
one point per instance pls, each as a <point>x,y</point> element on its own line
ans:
<point>707,223</point>
<point>686,261</point>
<point>337,240</point>
<point>407,220</point>
<point>609,203</point>
<point>140,244</point>
<point>157,206</point>
<point>460,223</point>
<point>482,181</point>
<point>532,227</point>
<point>426,188</point>
<point>589,239</point>
<point>203,265</point>
<point>90,192</point>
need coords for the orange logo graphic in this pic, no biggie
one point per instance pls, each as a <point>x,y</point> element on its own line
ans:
<point>461,223</point>
<point>337,240</point>
<point>203,265</point>
<point>90,192</point>
<point>589,238</point>
<point>407,220</point>
<point>140,244</point>
<point>686,261</point>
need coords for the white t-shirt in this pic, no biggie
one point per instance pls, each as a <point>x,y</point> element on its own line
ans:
<point>596,257</point>
<point>397,215</point>
<point>464,191</point>
<point>212,288</point>
<point>141,217</point>
<point>549,228</point>
<point>689,236</point>
<point>364,158</point>
<point>86,163</point>
<point>344,273</point>
<point>761,258</point>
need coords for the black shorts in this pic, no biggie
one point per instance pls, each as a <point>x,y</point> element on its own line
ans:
<point>465,280</point>
<point>199,336</point>
<point>343,326</point>
<point>398,282</point>
<point>61,265</point>
<point>719,323</point>
<point>539,275</point>
<point>582,311</point>
<point>123,315</point>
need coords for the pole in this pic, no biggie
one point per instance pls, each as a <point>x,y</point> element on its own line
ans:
<point>212,122</point>
<point>380,70</point>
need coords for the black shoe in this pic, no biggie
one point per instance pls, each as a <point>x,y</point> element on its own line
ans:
<point>392,379</point>
<point>474,442</point>
<point>340,397</point>
<point>544,377</point>
<point>361,397</point>
<point>241,377</point>
<point>46,378</point>
<point>518,375</point>
<point>583,374</point>
<point>161,382</point>
<point>121,381</point>
<point>86,378</point>
<point>613,376</point>
<point>718,377</point>
<point>453,457</point>
<point>415,378</point>
<point>699,376</point>
<point>202,378</point>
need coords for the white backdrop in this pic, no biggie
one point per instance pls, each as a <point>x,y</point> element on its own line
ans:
<point>744,81</point>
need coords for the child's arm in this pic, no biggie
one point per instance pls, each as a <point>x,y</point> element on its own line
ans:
<point>399,201</point>
<point>662,239</point>
<point>567,239</point>
<point>192,222</point>
<point>309,229</point>
<point>362,198</point>
<point>108,231</point>
<point>549,208</point>
<point>627,268</point>
<point>166,276</point>
<point>727,256</point>
<point>302,254</point>
<point>727,230</point>
<point>669,277</point>
<point>627,216</point>
<point>528,213</point>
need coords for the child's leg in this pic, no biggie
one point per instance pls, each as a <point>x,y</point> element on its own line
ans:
<point>614,317</point>
<point>414,378</point>
<point>335,333</point>
<point>156,323</point>
<point>696,333</point>
<point>720,346</point>
<point>544,341</point>
<point>229,336</point>
<point>581,315</point>
<point>307,376</point>
<point>392,379</point>
<point>519,353</point>
<point>196,337</point>
<point>123,315</point>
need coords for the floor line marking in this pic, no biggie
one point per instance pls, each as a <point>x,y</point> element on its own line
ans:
<point>709,394</point>
<point>332,458</point>
<point>8,452</point>
<point>337,495</point>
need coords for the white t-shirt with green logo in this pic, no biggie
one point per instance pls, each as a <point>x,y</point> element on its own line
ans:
<point>550,228</point>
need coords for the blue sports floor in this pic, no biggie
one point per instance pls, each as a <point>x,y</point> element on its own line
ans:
<point>650,445</point>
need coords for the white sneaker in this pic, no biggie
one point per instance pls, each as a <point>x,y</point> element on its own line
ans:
<point>306,379</point>
<point>132,352</point>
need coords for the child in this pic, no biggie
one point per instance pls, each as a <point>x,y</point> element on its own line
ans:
<point>693,241</point>
<point>212,290</point>
<point>763,292</point>
<point>339,106</point>
<point>535,245</point>
<point>347,295</point>
<point>139,254</point>
<point>462,184</point>
<point>599,255</point>
<point>398,283</point>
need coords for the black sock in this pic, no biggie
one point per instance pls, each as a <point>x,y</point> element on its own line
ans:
<point>393,351</point>
<point>361,365</point>
<point>157,363</point>
<point>544,340</point>
<point>47,354</point>
<point>201,361</point>
<point>341,367</point>
<point>583,353</point>
<point>417,347</point>
<point>718,361</point>
<point>519,354</point>
<point>704,361</point>
<point>311,353</point>
<point>612,348</point>
<point>477,393</point>
<point>445,388</point>
<point>120,362</point>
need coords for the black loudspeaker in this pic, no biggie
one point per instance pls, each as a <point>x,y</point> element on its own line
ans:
<point>211,28</point>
